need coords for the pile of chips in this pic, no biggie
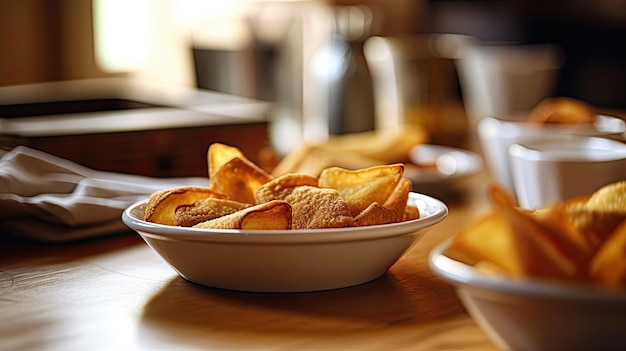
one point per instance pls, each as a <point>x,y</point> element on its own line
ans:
<point>241,195</point>
<point>582,239</point>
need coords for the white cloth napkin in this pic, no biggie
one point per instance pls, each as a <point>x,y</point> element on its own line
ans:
<point>48,198</point>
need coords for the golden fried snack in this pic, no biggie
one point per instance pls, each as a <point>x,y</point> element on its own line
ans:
<point>272,215</point>
<point>608,266</point>
<point>283,184</point>
<point>609,198</point>
<point>360,188</point>
<point>294,162</point>
<point>487,240</point>
<point>162,204</point>
<point>595,226</point>
<point>354,151</point>
<point>219,154</point>
<point>544,249</point>
<point>393,210</point>
<point>312,207</point>
<point>312,160</point>
<point>562,111</point>
<point>583,239</point>
<point>383,145</point>
<point>410,213</point>
<point>608,206</point>
<point>596,216</point>
<point>204,210</point>
<point>239,179</point>
<point>237,185</point>
<point>560,219</point>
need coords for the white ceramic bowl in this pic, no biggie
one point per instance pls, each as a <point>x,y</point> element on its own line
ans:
<point>537,315</point>
<point>285,260</point>
<point>496,135</point>
<point>445,167</point>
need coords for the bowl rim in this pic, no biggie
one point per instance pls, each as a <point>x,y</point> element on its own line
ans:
<point>464,275</point>
<point>434,211</point>
<point>474,160</point>
<point>608,150</point>
<point>597,130</point>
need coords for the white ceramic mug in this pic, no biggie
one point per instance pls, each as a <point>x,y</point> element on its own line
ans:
<point>550,170</point>
<point>496,135</point>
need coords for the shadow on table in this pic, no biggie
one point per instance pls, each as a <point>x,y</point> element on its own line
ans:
<point>17,249</point>
<point>404,300</point>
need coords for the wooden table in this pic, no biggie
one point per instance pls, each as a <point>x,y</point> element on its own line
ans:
<point>115,293</point>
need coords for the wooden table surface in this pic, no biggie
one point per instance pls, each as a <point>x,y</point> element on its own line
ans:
<point>115,293</point>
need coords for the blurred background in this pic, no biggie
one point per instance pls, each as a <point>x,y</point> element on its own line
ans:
<point>326,67</point>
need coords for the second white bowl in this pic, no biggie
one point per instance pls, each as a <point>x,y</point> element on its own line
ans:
<point>536,315</point>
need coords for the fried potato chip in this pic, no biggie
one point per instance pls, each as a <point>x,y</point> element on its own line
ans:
<point>582,239</point>
<point>562,110</point>
<point>594,226</point>
<point>564,221</point>
<point>411,213</point>
<point>397,200</point>
<point>272,215</point>
<point>312,207</point>
<point>377,194</point>
<point>298,161</point>
<point>360,188</point>
<point>374,214</point>
<point>608,266</point>
<point>239,179</point>
<point>219,154</point>
<point>543,249</point>
<point>596,216</point>
<point>391,211</point>
<point>162,204</point>
<point>605,220</point>
<point>386,145</point>
<point>205,210</point>
<point>313,160</point>
<point>609,198</point>
<point>487,240</point>
<point>283,184</point>
<point>354,150</point>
